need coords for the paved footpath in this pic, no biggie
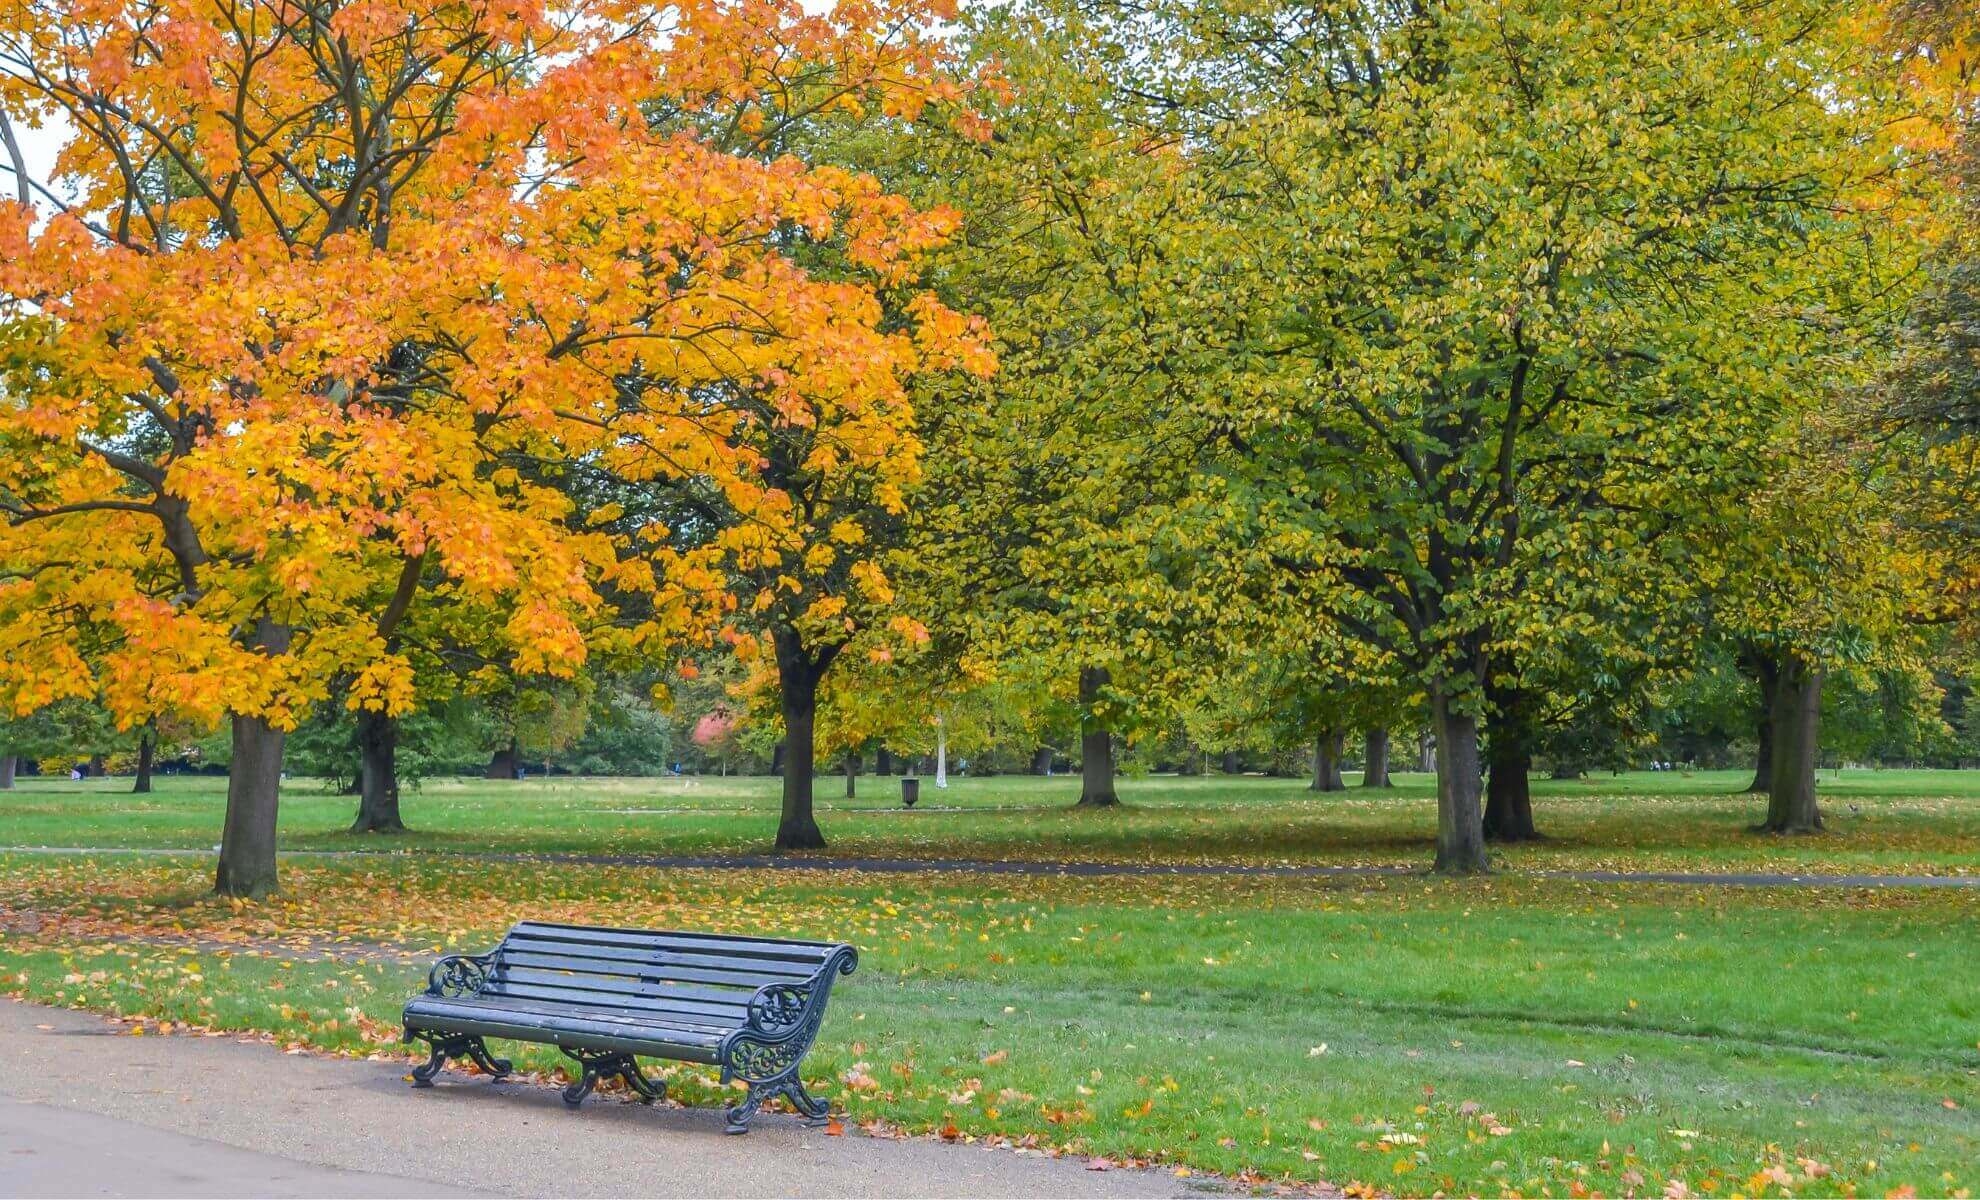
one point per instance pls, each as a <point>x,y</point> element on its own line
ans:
<point>86,1110</point>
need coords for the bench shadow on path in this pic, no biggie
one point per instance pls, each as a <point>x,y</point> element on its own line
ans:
<point>463,1093</point>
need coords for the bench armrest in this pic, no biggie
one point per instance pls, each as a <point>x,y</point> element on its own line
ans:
<point>780,1009</point>
<point>459,975</point>
<point>783,1019</point>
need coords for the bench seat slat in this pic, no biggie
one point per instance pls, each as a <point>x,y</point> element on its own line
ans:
<point>661,1008</point>
<point>538,1021</point>
<point>644,1015</point>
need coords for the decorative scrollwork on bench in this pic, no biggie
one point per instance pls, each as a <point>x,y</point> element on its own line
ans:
<point>778,1008</point>
<point>458,975</point>
<point>753,1061</point>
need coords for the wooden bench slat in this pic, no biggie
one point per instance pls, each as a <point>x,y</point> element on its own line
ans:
<point>588,1016</point>
<point>735,998</point>
<point>537,1022</point>
<point>658,963</point>
<point>768,949</point>
<point>678,935</point>
<point>726,1017</point>
<point>752,977</point>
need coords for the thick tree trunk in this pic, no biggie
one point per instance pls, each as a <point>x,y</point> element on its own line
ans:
<point>1231,762</point>
<point>378,775</point>
<point>1096,744</point>
<point>254,783</point>
<point>778,755</point>
<point>1041,761</point>
<point>1375,757</point>
<point>883,761</point>
<point>7,764</point>
<point>1797,713</point>
<point>1509,795</point>
<point>797,828</point>
<point>506,763</point>
<point>1767,672</point>
<point>852,776</point>
<point>147,745</point>
<point>1327,750</point>
<point>1426,753</point>
<point>96,768</point>
<point>254,793</point>
<point>1460,824</point>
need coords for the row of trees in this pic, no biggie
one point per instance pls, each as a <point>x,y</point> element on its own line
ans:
<point>1230,368</point>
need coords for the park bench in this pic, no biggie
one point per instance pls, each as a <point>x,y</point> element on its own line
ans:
<point>750,1005</point>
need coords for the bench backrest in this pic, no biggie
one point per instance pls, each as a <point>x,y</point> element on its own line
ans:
<point>703,979</point>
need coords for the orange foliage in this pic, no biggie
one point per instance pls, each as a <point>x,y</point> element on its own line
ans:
<point>337,288</point>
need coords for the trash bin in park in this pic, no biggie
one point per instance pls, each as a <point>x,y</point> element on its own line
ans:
<point>910,791</point>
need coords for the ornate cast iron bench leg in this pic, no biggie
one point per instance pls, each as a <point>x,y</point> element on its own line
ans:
<point>596,1066</point>
<point>446,1046</point>
<point>770,1069</point>
<point>649,1090</point>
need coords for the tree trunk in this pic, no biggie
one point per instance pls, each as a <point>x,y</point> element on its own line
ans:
<point>883,761</point>
<point>852,775</point>
<point>96,768</point>
<point>797,677</point>
<point>146,748</point>
<point>1041,761</point>
<point>1509,796</point>
<point>1327,750</point>
<point>1767,672</point>
<point>504,764</point>
<point>1231,762</point>
<point>1426,753</point>
<point>1375,757</point>
<point>1096,744</point>
<point>1460,825</point>
<point>254,793</point>
<point>1797,720</point>
<point>378,774</point>
<point>777,756</point>
<point>7,765</point>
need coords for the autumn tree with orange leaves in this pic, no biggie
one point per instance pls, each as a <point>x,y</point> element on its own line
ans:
<point>319,299</point>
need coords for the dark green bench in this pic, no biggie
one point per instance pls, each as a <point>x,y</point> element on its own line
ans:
<point>749,1005</point>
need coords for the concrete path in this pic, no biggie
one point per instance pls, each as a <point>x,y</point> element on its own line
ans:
<point>890,866</point>
<point>86,1110</point>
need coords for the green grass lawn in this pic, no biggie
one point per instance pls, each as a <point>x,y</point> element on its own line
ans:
<point>1409,1034</point>
<point>1879,821</point>
<point>1412,1035</point>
